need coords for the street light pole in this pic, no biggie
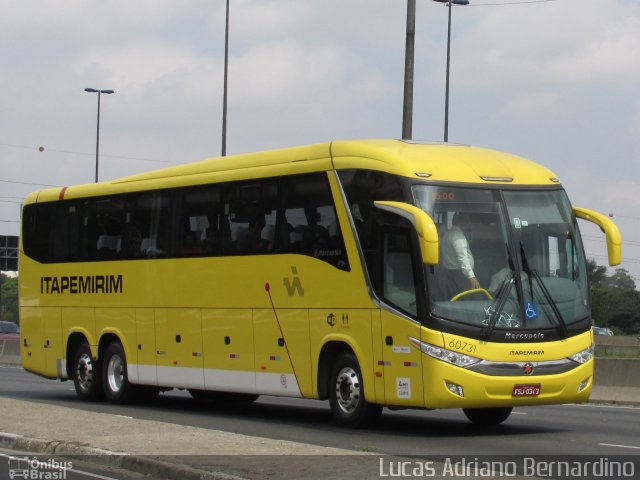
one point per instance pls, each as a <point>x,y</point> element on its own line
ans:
<point>407,104</point>
<point>446,93</point>
<point>224,87</point>
<point>99,92</point>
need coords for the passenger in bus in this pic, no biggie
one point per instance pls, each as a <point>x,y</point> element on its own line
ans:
<point>132,241</point>
<point>457,260</point>
<point>254,243</point>
<point>190,245</point>
<point>267,235</point>
<point>211,244</point>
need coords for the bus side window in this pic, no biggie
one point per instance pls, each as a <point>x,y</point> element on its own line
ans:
<point>310,224</point>
<point>250,214</point>
<point>399,283</point>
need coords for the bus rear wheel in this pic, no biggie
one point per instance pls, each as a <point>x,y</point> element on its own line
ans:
<point>346,394</point>
<point>86,374</point>
<point>117,388</point>
<point>487,416</point>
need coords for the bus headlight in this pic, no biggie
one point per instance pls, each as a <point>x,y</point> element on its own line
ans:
<point>449,356</point>
<point>583,356</point>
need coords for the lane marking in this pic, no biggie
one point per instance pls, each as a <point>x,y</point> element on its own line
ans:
<point>594,405</point>
<point>519,413</point>
<point>618,446</point>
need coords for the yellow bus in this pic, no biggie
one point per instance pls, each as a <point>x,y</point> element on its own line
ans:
<point>325,272</point>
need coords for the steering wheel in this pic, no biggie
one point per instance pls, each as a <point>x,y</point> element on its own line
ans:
<point>469,292</point>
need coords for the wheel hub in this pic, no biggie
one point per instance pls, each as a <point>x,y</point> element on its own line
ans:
<point>84,372</point>
<point>115,373</point>
<point>348,390</point>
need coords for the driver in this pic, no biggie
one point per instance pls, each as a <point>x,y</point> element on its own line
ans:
<point>457,260</point>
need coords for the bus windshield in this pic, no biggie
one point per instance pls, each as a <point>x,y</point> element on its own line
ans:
<point>509,259</point>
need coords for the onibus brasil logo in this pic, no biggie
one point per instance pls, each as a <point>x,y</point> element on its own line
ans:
<point>35,469</point>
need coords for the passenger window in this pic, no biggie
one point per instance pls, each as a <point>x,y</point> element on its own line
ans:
<point>310,225</point>
<point>148,234</point>
<point>198,231</point>
<point>250,218</point>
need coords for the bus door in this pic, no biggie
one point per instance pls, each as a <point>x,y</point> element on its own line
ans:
<point>402,362</point>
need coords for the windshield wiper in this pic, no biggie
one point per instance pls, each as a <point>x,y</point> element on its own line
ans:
<point>533,273</point>
<point>504,289</point>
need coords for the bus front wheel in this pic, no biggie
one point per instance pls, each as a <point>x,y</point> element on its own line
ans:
<point>86,374</point>
<point>487,416</point>
<point>117,388</point>
<point>346,394</point>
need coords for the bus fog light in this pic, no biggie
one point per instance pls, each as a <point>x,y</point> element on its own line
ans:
<point>583,385</point>
<point>456,389</point>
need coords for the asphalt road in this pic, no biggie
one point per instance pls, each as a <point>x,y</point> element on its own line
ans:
<point>548,430</point>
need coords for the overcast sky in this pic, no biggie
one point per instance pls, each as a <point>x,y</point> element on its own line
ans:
<point>555,81</point>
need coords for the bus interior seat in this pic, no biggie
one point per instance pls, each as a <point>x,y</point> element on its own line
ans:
<point>109,244</point>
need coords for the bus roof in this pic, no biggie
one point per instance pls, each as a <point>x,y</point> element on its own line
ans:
<point>437,162</point>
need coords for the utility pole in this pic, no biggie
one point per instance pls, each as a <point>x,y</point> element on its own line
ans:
<point>224,86</point>
<point>407,104</point>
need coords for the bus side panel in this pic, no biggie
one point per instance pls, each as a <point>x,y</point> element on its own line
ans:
<point>377,345</point>
<point>143,371</point>
<point>227,338</point>
<point>179,347</point>
<point>32,339</point>
<point>402,362</point>
<point>41,336</point>
<point>282,352</point>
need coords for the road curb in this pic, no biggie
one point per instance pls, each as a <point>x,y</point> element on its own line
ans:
<point>135,463</point>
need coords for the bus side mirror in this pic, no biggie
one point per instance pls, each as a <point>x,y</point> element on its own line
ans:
<point>614,239</point>
<point>422,222</point>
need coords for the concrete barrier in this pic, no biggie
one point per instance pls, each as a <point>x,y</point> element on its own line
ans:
<point>616,380</point>
<point>626,346</point>
<point>10,352</point>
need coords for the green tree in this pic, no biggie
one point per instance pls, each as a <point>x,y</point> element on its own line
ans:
<point>621,279</point>
<point>597,274</point>
<point>9,299</point>
<point>615,302</point>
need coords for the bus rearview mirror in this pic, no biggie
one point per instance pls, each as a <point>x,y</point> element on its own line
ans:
<point>422,222</point>
<point>614,239</point>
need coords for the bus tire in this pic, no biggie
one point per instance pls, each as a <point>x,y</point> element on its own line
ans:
<point>87,374</point>
<point>115,381</point>
<point>487,416</point>
<point>346,394</point>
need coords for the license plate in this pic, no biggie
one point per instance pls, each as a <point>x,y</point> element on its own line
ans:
<point>532,390</point>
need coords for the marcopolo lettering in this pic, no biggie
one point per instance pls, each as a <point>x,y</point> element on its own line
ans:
<point>79,284</point>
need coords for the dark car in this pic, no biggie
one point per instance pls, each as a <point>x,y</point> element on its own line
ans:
<point>9,331</point>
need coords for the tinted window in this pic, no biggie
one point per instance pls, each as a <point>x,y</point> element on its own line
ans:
<point>286,215</point>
